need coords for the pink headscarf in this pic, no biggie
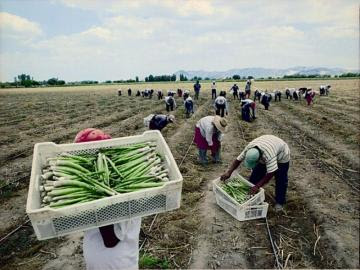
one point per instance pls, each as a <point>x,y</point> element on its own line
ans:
<point>91,134</point>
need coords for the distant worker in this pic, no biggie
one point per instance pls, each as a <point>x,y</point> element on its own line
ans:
<point>138,94</point>
<point>197,87</point>
<point>160,94</point>
<point>248,89</point>
<point>189,106</point>
<point>179,92</point>
<point>265,100</point>
<point>257,95</point>
<point>221,106</point>
<point>186,94</point>
<point>119,92</point>
<point>248,110</point>
<point>222,93</point>
<point>129,92</point>
<point>241,94</point>
<point>296,95</point>
<point>277,95</point>
<point>209,132</point>
<point>147,93</point>
<point>158,121</point>
<point>309,96</point>
<point>151,92</point>
<point>324,90</point>
<point>213,90</point>
<point>267,156</point>
<point>171,93</point>
<point>170,102</point>
<point>235,91</point>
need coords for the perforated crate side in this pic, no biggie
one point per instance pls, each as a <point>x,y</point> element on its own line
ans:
<point>257,199</point>
<point>49,223</point>
<point>253,212</point>
<point>227,207</point>
<point>242,213</point>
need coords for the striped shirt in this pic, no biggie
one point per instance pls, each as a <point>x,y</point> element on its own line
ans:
<point>273,150</point>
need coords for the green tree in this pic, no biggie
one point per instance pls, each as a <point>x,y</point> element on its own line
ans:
<point>52,81</point>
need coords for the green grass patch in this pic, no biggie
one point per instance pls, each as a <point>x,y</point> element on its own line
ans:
<point>148,261</point>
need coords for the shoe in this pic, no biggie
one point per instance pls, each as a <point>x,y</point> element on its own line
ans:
<point>279,208</point>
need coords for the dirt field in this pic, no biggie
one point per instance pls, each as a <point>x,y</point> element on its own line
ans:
<point>319,229</point>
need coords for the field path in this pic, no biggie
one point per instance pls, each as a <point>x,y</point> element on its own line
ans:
<point>223,241</point>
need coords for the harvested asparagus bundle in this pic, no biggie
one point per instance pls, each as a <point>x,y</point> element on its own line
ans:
<point>237,189</point>
<point>69,179</point>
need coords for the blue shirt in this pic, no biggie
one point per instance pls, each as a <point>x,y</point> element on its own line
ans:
<point>158,122</point>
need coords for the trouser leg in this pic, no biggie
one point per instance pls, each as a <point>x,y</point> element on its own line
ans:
<point>253,112</point>
<point>281,177</point>
<point>216,155</point>
<point>245,114</point>
<point>202,156</point>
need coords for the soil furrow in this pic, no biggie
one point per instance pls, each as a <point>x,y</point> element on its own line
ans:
<point>329,201</point>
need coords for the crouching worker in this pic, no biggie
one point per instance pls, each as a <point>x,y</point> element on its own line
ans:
<point>208,135</point>
<point>221,105</point>
<point>189,107</point>
<point>158,121</point>
<point>246,114</point>
<point>112,246</point>
<point>170,102</point>
<point>160,94</point>
<point>309,96</point>
<point>186,94</point>
<point>267,156</point>
<point>265,100</point>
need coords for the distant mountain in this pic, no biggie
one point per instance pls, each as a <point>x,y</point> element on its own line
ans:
<point>263,72</point>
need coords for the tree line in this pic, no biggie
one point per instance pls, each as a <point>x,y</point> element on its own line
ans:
<point>25,80</point>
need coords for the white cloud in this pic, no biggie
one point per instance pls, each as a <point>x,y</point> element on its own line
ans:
<point>13,26</point>
<point>339,32</point>
<point>162,36</point>
<point>183,8</point>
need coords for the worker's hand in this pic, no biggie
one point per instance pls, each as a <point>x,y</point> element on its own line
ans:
<point>254,190</point>
<point>225,176</point>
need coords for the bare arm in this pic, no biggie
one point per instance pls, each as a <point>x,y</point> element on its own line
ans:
<point>262,182</point>
<point>232,167</point>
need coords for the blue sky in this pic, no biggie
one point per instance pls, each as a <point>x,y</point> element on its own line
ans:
<point>109,40</point>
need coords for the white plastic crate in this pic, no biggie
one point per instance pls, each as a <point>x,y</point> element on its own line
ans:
<point>257,199</point>
<point>48,222</point>
<point>254,208</point>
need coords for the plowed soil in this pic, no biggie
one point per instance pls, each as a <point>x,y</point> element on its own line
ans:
<point>318,229</point>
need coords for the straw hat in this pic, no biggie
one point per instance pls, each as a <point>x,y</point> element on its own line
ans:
<point>220,123</point>
<point>171,118</point>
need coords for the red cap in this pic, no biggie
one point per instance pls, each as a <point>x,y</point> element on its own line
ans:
<point>91,134</point>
